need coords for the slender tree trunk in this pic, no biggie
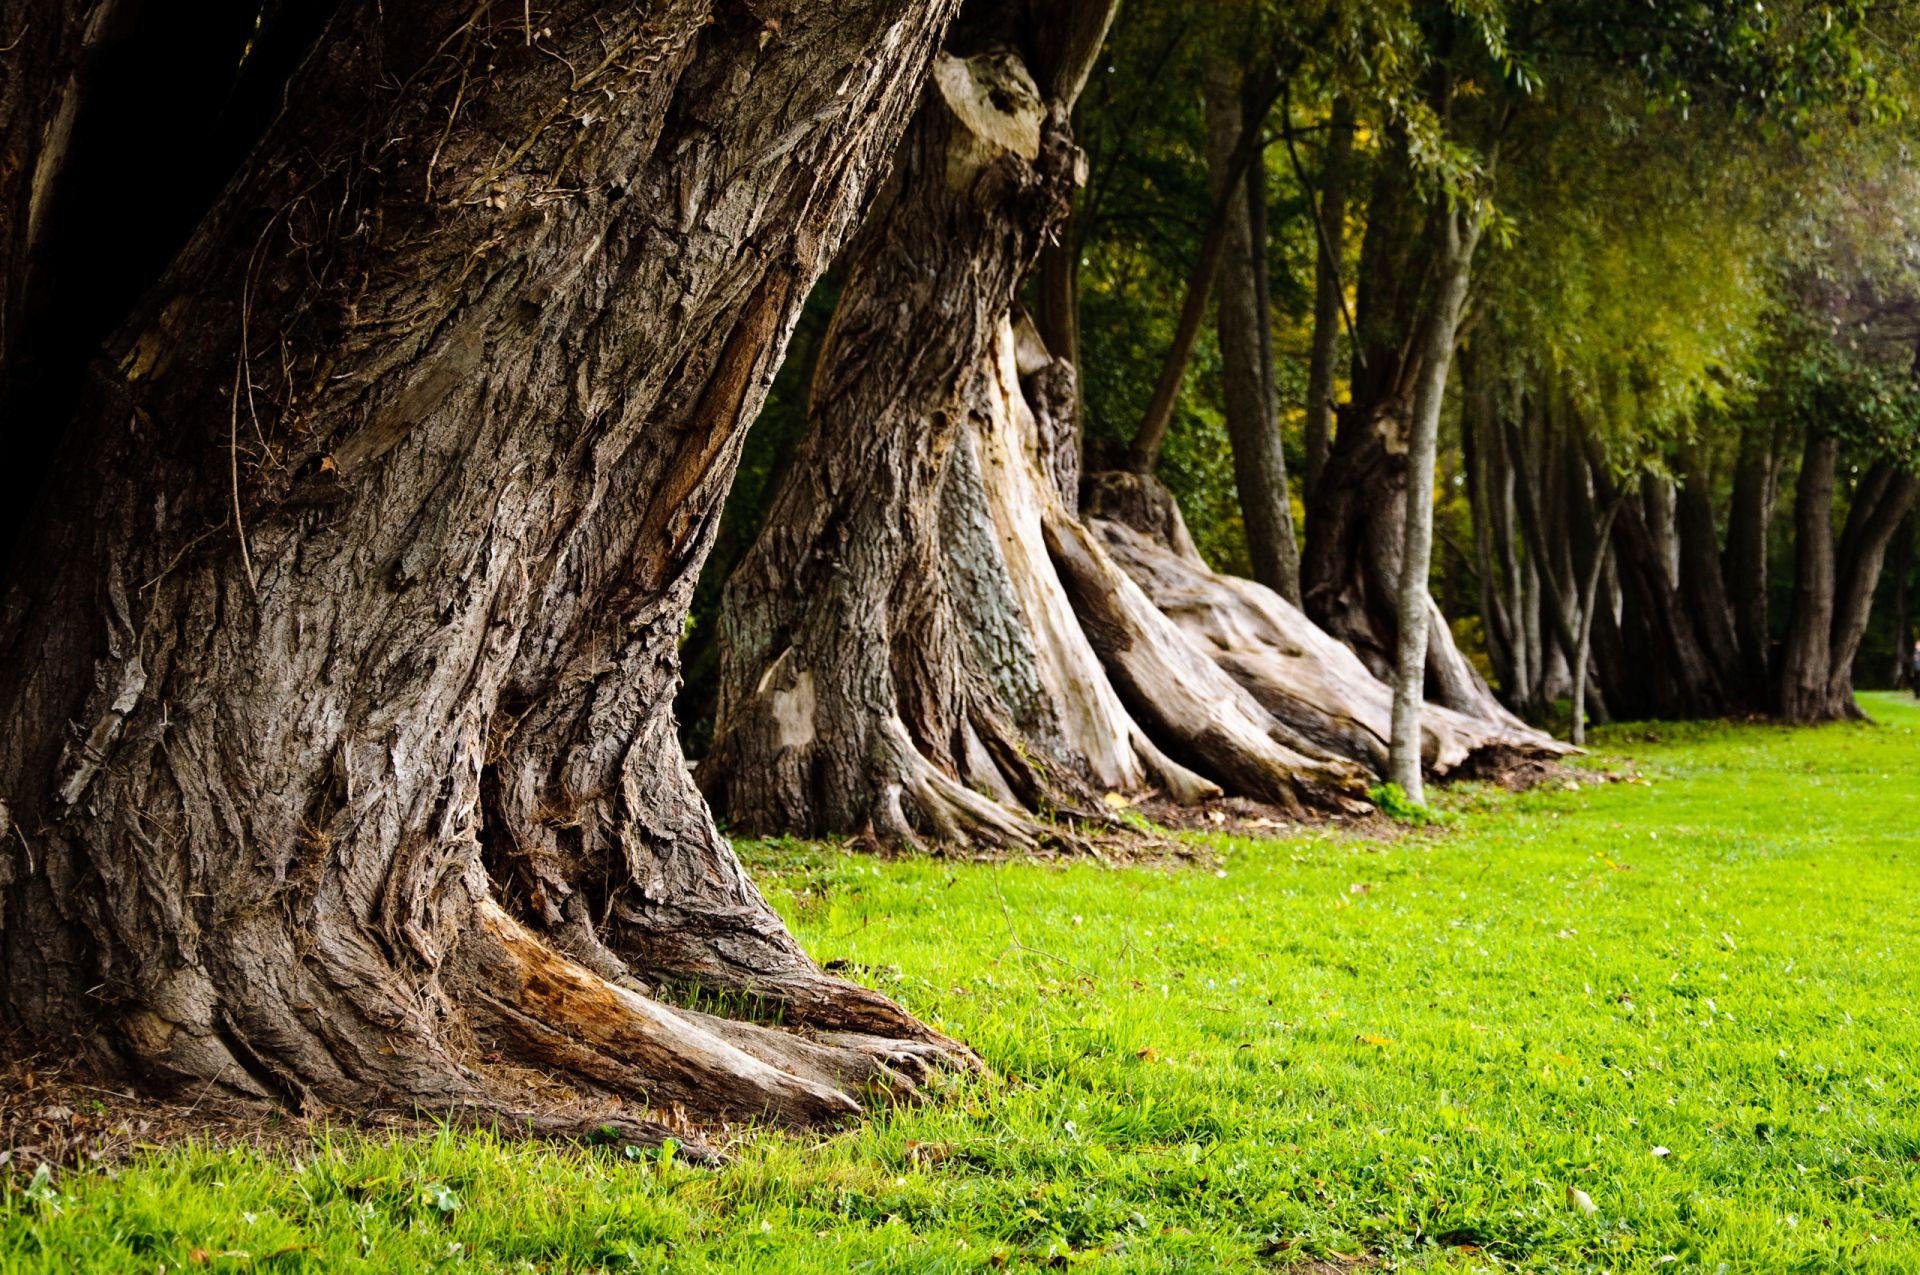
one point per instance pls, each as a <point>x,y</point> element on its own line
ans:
<point>1589,605</point>
<point>1356,518</point>
<point>1555,601</point>
<point>369,556</point>
<point>1460,235</point>
<point>1702,586</point>
<point>1329,305</point>
<point>1805,666</point>
<point>1253,426</point>
<point>1749,521</point>
<point>1228,200</point>
<point>1481,466</point>
<point>1903,671</point>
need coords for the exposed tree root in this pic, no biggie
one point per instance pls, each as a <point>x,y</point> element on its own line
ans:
<point>545,1010</point>
<point>1299,673</point>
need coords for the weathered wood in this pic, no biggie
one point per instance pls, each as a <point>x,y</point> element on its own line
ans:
<point>372,547</point>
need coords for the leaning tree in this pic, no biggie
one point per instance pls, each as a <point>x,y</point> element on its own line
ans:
<point>338,659</point>
<point>931,640</point>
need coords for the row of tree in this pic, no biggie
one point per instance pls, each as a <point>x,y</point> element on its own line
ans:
<point>342,637</point>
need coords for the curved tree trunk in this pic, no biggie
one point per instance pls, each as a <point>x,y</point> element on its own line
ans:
<point>369,556</point>
<point>906,655</point>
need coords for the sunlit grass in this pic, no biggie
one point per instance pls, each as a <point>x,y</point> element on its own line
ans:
<point>1315,1049</point>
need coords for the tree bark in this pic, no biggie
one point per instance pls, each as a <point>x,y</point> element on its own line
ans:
<point>1880,507</point>
<point>1329,303</point>
<point>1246,352</point>
<point>1805,666</point>
<point>1356,516</point>
<point>1749,521</point>
<point>368,560</point>
<point>1459,236</point>
<point>1144,453</point>
<point>1702,586</point>
<point>925,644</point>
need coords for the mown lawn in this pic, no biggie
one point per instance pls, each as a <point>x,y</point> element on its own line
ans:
<point>1693,999</point>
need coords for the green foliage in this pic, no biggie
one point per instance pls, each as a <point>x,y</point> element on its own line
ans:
<point>1827,387</point>
<point>1406,1050</point>
<point>1394,803</point>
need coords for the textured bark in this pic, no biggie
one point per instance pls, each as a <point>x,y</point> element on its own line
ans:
<point>1749,520</point>
<point>1317,689</point>
<point>369,556</point>
<point>1329,304</point>
<point>1834,584</point>
<point>1805,667</point>
<point>1252,412</point>
<point>901,658</point>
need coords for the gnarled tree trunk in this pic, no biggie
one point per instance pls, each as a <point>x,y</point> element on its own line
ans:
<point>905,653</point>
<point>340,667</point>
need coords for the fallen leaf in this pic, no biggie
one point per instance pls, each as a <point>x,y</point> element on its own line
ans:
<point>1576,1198</point>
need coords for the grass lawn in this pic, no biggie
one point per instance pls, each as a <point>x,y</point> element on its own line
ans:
<point>1696,1000</point>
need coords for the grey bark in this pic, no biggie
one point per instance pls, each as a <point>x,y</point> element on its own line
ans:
<point>1459,236</point>
<point>1329,303</point>
<point>1246,351</point>
<point>370,555</point>
<point>926,645</point>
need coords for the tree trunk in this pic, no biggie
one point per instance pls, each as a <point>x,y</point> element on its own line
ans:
<point>1144,453</point>
<point>1253,425</point>
<point>1805,666</point>
<point>1749,520</point>
<point>1484,474</point>
<point>369,556</point>
<point>1702,586</point>
<point>1356,516</point>
<point>1329,303</point>
<point>1460,235</point>
<point>902,656</point>
<point>1676,677</point>
<point>1583,647</point>
<point>1880,507</point>
<point>1903,544</point>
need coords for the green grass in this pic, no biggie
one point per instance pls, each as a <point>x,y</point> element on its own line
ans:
<point>1323,1048</point>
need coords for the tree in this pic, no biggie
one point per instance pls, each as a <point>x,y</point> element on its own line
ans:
<point>1244,321</point>
<point>934,640</point>
<point>340,659</point>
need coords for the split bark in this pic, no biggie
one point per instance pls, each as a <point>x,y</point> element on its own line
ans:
<point>369,558</point>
